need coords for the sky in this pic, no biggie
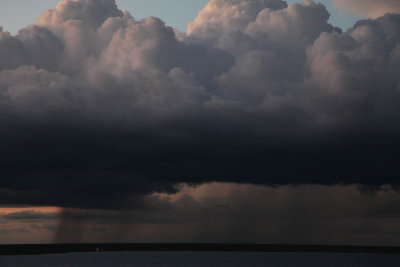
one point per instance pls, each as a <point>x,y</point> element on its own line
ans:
<point>17,14</point>
<point>261,123</point>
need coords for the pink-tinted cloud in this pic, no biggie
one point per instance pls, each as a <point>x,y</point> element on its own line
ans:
<point>369,8</point>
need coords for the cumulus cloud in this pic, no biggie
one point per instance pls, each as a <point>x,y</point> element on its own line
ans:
<point>99,108</point>
<point>369,8</point>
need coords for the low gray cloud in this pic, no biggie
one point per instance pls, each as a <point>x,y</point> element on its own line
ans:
<point>16,230</point>
<point>232,213</point>
<point>45,226</point>
<point>99,109</point>
<point>29,215</point>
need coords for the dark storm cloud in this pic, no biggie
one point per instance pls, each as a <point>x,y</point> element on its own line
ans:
<point>98,109</point>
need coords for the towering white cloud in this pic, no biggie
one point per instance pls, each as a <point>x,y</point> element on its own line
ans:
<point>92,13</point>
<point>222,20</point>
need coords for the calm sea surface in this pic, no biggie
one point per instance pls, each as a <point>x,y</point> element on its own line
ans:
<point>150,259</point>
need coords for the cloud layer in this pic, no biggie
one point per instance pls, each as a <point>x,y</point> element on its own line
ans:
<point>98,108</point>
<point>224,213</point>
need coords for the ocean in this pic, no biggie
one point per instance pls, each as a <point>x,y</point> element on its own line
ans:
<point>150,259</point>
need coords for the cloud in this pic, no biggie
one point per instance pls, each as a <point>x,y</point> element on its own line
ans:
<point>29,215</point>
<point>99,109</point>
<point>369,8</point>
<point>91,13</point>
<point>17,230</point>
<point>45,226</point>
<point>288,214</point>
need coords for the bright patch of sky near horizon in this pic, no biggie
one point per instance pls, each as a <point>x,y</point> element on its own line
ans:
<point>18,14</point>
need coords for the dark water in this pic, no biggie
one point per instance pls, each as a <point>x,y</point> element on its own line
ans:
<point>203,259</point>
